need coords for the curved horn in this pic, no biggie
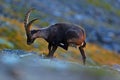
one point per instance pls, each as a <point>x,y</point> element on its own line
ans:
<point>28,24</point>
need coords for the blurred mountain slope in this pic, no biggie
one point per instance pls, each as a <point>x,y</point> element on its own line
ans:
<point>101,19</point>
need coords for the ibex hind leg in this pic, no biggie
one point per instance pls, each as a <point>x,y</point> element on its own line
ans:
<point>82,52</point>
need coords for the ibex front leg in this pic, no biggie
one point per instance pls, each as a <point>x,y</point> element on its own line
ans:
<point>83,54</point>
<point>52,49</point>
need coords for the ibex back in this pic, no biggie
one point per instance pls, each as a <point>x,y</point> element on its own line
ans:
<point>59,34</point>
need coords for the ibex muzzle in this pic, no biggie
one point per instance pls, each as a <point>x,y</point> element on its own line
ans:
<point>30,41</point>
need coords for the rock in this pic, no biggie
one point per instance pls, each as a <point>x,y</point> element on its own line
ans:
<point>116,67</point>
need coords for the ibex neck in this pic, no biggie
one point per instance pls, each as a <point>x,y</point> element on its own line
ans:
<point>43,33</point>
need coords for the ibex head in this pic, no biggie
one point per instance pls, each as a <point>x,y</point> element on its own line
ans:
<point>29,33</point>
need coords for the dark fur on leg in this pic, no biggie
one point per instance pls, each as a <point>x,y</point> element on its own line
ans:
<point>52,49</point>
<point>82,52</point>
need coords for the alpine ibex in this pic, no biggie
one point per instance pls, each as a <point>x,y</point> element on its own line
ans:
<point>59,34</point>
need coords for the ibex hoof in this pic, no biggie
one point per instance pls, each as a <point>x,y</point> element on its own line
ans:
<point>84,61</point>
<point>48,56</point>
